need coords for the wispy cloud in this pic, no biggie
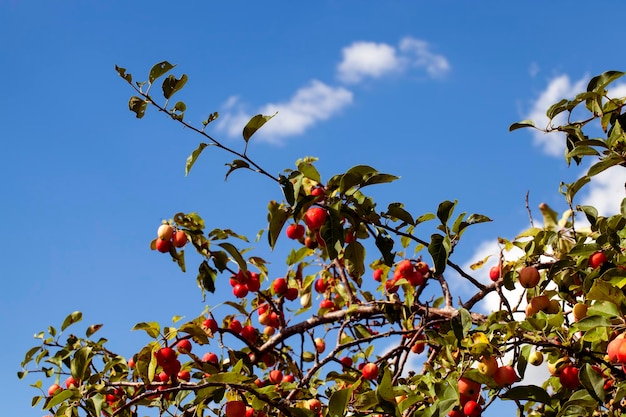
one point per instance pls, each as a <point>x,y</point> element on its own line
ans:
<point>317,101</point>
<point>558,88</point>
<point>363,60</point>
<point>309,105</point>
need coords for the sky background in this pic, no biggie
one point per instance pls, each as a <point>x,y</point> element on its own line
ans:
<point>422,90</point>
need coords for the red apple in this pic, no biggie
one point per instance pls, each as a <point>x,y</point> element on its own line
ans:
<point>240,290</point>
<point>505,376</point>
<point>314,405</point>
<point>280,286</point>
<point>249,333</point>
<point>210,324</point>
<point>569,377</point>
<point>235,326</point>
<point>295,231</point>
<point>235,409</point>
<point>597,259</point>
<point>53,389</point>
<point>71,382</point>
<point>494,273</point>
<point>529,277</point>
<point>179,239</point>
<point>165,356</point>
<point>378,275</point>
<point>210,357</point>
<point>472,409</point>
<point>163,246</point>
<point>184,345</point>
<point>468,388</point>
<point>184,375</point>
<point>370,371</point>
<point>315,217</point>
<point>320,285</point>
<point>276,376</point>
<point>291,293</point>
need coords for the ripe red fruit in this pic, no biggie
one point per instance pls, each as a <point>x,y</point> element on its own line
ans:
<point>131,363</point>
<point>172,368</point>
<point>165,356</point>
<point>70,382</point>
<point>235,326</point>
<point>569,377</point>
<point>346,361</point>
<point>456,413</point>
<point>288,378</point>
<point>327,304</point>
<point>280,286</point>
<point>184,375</point>
<point>163,246</point>
<point>165,232</point>
<point>179,239</point>
<point>210,324</point>
<point>505,376</point>
<point>613,349</point>
<point>310,243</point>
<point>235,409</point>
<point>54,388</point>
<point>240,290</point>
<point>391,287</point>
<point>494,273</point>
<point>295,231</point>
<point>468,388</point>
<point>210,357</point>
<point>378,275</point>
<point>370,371</point>
<point>276,376</point>
<point>318,192</point>
<point>315,217</point>
<point>597,259</point>
<point>249,333</point>
<point>184,346</point>
<point>422,267</point>
<point>472,409</point>
<point>291,294</point>
<point>320,285</point>
<point>254,284</point>
<point>529,277</point>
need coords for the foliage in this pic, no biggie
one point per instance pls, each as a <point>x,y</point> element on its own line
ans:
<point>266,347</point>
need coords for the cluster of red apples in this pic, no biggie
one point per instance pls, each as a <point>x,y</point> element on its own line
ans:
<point>168,237</point>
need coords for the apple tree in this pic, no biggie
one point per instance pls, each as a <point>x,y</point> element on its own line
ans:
<point>364,290</point>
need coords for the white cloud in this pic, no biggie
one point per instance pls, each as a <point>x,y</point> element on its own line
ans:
<point>363,60</point>
<point>309,105</point>
<point>558,88</point>
<point>606,191</point>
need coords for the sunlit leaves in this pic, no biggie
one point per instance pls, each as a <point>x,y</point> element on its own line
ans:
<point>439,249</point>
<point>254,124</point>
<point>152,328</point>
<point>74,317</point>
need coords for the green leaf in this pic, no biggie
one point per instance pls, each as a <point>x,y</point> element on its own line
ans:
<point>385,244</point>
<point>439,248</point>
<point>354,258</point>
<point>206,277</point>
<point>229,378</point>
<point>171,85</point>
<point>397,211</point>
<point>444,211</point>
<point>80,363</point>
<point>278,215</point>
<point>152,328</point>
<point>593,382</point>
<point>254,124</point>
<point>527,393</point>
<point>385,387</point>
<point>461,324</point>
<point>556,108</point>
<point>236,164</point>
<point>92,329</point>
<point>574,187</point>
<point>158,70</point>
<point>58,398</point>
<point>522,124</point>
<point>74,317</point>
<point>380,179</point>
<point>138,105</point>
<point>338,402</point>
<point>606,163</point>
<point>211,117</point>
<point>599,82</point>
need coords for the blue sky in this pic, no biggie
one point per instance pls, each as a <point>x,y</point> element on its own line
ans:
<point>423,90</point>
